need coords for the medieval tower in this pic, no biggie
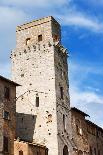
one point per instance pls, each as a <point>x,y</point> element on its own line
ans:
<point>39,65</point>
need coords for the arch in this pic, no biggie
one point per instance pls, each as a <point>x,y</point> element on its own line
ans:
<point>20,152</point>
<point>65,150</point>
<point>80,152</point>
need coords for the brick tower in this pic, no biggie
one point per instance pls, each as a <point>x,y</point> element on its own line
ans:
<point>39,65</point>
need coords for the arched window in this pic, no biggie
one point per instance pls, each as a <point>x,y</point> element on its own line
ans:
<point>20,152</point>
<point>65,150</point>
<point>27,41</point>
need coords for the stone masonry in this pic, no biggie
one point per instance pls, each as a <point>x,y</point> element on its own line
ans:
<point>39,65</point>
<point>88,137</point>
<point>7,116</point>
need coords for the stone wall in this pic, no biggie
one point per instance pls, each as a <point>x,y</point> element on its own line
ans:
<point>87,136</point>
<point>29,148</point>
<point>7,116</point>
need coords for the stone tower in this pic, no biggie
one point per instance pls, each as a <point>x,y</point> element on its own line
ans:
<point>39,65</point>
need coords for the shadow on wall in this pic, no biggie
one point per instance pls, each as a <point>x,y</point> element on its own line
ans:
<point>25,126</point>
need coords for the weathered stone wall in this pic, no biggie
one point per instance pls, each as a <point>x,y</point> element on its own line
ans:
<point>27,148</point>
<point>86,135</point>
<point>34,66</point>
<point>63,104</point>
<point>7,126</point>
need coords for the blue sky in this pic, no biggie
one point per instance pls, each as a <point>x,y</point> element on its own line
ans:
<point>82,35</point>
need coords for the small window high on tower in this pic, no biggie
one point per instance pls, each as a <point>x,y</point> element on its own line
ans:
<point>27,41</point>
<point>37,101</point>
<point>61,92</point>
<point>39,37</point>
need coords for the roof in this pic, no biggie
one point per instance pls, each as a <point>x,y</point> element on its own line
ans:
<point>31,143</point>
<point>8,80</point>
<point>79,111</point>
<point>93,124</point>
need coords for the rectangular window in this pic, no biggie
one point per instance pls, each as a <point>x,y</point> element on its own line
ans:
<point>6,115</point>
<point>37,101</point>
<point>64,122</point>
<point>39,37</point>
<point>61,92</point>
<point>7,93</point>
<point>5,145</point>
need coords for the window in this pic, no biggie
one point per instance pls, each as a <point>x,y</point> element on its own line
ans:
<point>37,101</point>
<point>98,152</point>
<point>64,122</point>
<point>65,150</point>
<point>6,115</point>
<point>5,144</point>
<point>78,127</point>
<point>21,152</point>
<point>94,151</point>
<point>61,92</point>
<point>27,41</point>
<point>39,37</point>
<point>55,38</point>
<point>7,93</point>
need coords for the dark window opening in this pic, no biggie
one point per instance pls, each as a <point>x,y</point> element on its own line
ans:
<point>94,151</point>
<point>61,92</point>
<point>20,152</point>
<point>64,123</point>
<point>6,115</point>
<point>65,150</point>
<point>55,38</point>
<point>37,101</point>
<point>7,93</point>
<point>5,145</point>
<point>39,37</point>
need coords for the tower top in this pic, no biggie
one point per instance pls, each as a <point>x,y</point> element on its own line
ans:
<point>38,31</point>
<point>37,22</point>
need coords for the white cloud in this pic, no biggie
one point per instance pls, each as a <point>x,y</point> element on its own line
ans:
<point>35,3</point>
<point>10,17</point>
<point>79,98</point>
<point>79,19</point>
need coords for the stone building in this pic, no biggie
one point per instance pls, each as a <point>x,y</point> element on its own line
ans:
<point>87,136</point>
<point>26,148</point>
<point>7,115</point>
<point>39,64</point>
<point>44,116</point>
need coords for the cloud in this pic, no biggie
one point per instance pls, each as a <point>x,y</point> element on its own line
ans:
<point>35,3</point>
<point>89,100</point>
<point>79,19</point>
<point>9,19</point>
<point>79,98</point>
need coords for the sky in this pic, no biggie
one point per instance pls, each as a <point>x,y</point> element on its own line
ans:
<point>82,35</point>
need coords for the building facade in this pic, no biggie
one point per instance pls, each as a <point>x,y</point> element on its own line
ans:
<point>39,64</point>
<point>87,136</point>
<point>7,116</point>
<point>25,148</point>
